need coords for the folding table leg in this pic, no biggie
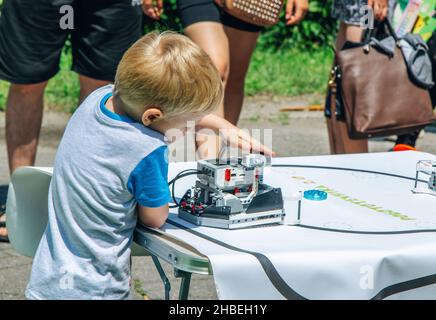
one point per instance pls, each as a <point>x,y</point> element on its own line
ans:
<point>185,284</point>
<point>166,282</point>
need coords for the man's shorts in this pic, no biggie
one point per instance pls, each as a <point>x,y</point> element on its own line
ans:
<point>32,37</point>
<point>193,11</point>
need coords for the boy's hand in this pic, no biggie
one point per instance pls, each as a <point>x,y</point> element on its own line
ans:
<point>233,135</point>
<point>242,140</point>
<point>153,8</point>
<point>295,11</point>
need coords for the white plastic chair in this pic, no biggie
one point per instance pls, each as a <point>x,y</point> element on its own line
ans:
<point>27,212</point>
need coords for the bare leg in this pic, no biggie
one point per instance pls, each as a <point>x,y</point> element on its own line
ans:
<point>338,134</point>
<point>88,85</point>
<point>348,33</point>
<point>210,36</point>
<point>242,44</point>
<point>24,109</point>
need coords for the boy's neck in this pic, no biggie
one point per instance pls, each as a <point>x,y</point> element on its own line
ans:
<point>114,104</point>
<point>159,126</point>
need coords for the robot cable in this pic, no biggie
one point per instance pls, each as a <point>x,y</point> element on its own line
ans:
<point>172,183</point>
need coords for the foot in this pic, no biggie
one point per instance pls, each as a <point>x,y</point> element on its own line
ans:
<point>3,231</point>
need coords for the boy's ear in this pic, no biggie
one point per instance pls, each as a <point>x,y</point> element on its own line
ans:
<point>150,115</point>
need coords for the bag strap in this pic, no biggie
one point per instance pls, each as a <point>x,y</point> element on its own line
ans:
<point>391,29</point>
<point>384,26</point>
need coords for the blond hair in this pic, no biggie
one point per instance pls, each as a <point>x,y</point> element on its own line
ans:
<point>167,70</point>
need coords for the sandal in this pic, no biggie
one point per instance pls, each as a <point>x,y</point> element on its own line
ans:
<point>3,224</point>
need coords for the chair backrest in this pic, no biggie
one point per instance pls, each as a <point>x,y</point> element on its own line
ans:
<point>27,209</point>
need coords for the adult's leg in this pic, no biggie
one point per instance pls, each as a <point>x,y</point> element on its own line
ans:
<point>340,141</point>
<point>241,44</point>
<point>30,48</point>
<point>105,30</point>
<point>24,109</point>
<point>211,37</point>
<point>88,85</point>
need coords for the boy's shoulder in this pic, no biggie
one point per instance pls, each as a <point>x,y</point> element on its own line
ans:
<point>143,138</point>
<point>146,140</point>
<point>94,130</point>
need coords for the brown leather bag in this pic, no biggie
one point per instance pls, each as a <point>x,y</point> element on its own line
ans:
<point>339,138</point>
<point>378,96</point>
<point>258,12</point>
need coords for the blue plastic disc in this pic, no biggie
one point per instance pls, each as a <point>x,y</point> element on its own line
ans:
<point>315,195</point>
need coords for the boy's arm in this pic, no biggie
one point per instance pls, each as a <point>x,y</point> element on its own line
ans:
<point>153,217</point>
<point>235,136</point>
<point>148,183</point>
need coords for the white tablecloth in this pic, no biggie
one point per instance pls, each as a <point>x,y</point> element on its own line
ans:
<point>372,238</point>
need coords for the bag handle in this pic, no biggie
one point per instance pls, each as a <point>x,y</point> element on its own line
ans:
<point>384,25</point>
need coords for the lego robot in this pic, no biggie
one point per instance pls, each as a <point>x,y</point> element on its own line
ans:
<point>230,194</point>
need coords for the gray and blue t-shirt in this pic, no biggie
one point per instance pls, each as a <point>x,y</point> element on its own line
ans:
<point>105,165</point>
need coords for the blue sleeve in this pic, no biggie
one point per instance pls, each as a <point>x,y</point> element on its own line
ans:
<point>148,182</point>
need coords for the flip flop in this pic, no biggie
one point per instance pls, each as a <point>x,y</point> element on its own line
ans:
<point>3,225</point>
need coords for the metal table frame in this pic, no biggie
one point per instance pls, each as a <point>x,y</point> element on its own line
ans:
<point>185,259</point>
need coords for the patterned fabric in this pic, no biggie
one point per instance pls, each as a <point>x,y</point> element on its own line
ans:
<point>351,11</point>
<point>348,11</point>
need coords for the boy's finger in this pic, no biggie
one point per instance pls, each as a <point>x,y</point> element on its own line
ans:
<point>244,146</point>
<point>262,149</point>
<point>258,147</point>
<point>254,145</point>
<point>244,135</point>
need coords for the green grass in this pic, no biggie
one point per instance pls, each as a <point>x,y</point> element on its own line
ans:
<point>283,73</point>
<point>288,72</point>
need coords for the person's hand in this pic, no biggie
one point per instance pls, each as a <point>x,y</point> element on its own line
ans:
<point>219,3</point>
<point>380,8</point>
<point>242,140</point>
<point>295,11</point>
<point>232,135</point>
<point>153,8</point>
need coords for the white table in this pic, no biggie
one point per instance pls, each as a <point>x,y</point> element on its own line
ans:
<point>371,239</point>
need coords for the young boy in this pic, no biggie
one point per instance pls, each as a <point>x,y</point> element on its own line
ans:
<point>111,167</point>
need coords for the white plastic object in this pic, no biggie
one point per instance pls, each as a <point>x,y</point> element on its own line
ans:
<point>428,168</point>
<point>27,209</point>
